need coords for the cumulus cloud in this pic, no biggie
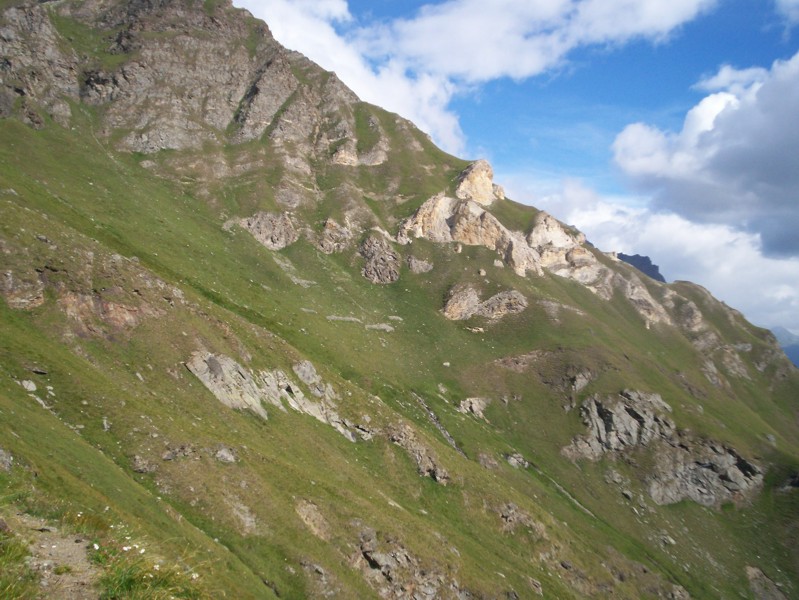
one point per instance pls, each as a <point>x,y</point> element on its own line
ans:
<point>415,66</point>
<point>721,258</point>
<point>736,160</point>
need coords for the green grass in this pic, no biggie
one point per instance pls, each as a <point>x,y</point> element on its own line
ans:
<point>120,392</point>
<point>17,579</point>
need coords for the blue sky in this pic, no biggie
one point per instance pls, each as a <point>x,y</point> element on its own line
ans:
<point>663,127</point>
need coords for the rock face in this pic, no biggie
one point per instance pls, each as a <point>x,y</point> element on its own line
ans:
<point>702,471</point>
<point>442,219</point>
<point>549,246</point>
<point>685,468</point>
<point>474,406</point>
<point>238,388</point>
<point>232,385</point>
<point>234,89</point>
<point>618,423</point>
<point>476,183</point>
<point>398,575</point>
<point>273,230</point>
<point>762,587</point>
<point>464,303</point>
<point>35,68</point>
<point>382,262</point>
<point>426,461</point>
<point>334,237</point>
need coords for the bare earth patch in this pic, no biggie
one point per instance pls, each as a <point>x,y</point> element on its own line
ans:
<point>59,558</point>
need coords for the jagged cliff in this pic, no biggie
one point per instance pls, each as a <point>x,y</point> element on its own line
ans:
<point>279,338</point>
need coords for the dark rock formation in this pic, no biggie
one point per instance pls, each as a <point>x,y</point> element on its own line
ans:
<point>643,264</point>
<point>685,468</point>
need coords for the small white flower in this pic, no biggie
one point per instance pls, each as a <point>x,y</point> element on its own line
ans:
<point>141,551</point>
<point>195,575</point>
<point>96,547</point>
<point>125,548</point>
<point>157,567</point>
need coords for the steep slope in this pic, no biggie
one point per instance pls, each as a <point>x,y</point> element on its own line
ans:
<point>279,335</point>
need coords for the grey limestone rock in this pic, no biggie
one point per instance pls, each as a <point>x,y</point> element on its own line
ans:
<point>684,468</point>
<point>464,303</point>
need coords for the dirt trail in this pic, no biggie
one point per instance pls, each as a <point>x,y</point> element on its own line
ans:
<point>60,559</point>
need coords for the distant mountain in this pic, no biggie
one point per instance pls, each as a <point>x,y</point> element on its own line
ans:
<point>789,342</point>
<point>643,264</point>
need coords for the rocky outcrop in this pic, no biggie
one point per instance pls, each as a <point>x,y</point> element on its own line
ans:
<point>23,291</point>
<point>514,518</point>
<point>444,220</point>
<point>38,73</point>
<point>334,238</point>
<point>233,386</point>
<point>426,461</point>
<point>87,309</point>
<point>762,587</point>
<point>418,265</point>
<point>476,183</point>
<point>309,513</point>
<point>464,303</point>
<point>6,460</point>
<point>548,245</point>
<point>382,261</point>
<point>684,468</point>
<point>618,423</point>
<point>239,388</point>
<point>703,471</point>
<point>273,230</point>
<point>474,406</point>
<point>397,574</point>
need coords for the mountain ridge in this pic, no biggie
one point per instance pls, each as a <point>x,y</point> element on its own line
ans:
<point>251,286</point>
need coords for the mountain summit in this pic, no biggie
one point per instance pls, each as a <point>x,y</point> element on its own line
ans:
<point>261,339</point>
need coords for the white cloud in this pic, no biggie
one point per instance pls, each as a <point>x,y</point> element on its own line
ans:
<point>732,79</point>
<point>726,261</point>
<point>416,65</point>
<point>736,160</point>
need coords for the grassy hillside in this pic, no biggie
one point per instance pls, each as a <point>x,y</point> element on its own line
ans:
<point>118,266</point>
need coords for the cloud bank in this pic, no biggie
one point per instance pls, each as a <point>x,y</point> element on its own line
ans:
<point>723,259</point>
<point>736,160</point>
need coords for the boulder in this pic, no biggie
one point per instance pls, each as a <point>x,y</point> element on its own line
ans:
<point>464,303</point>
<point>382,262</point>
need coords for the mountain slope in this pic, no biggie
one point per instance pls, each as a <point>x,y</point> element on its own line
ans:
<point>303,352</point>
